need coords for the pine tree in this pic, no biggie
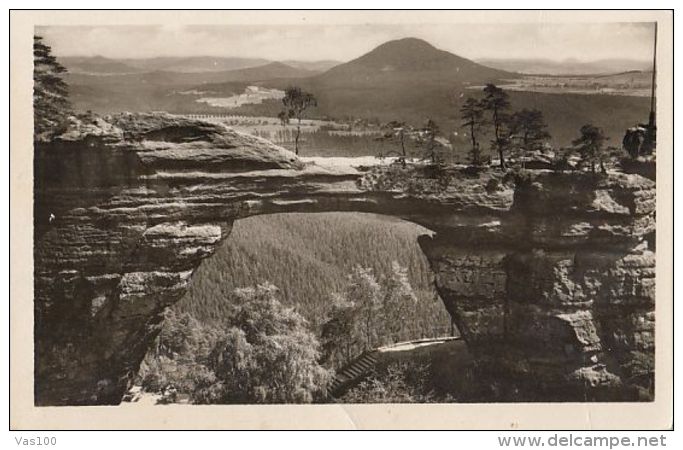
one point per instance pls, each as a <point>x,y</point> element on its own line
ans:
<point>497,101</point>
<point>429,133</point>
<point>365,292</point>
<point>591,147</point>
<point>368,314</point>
<point>472,113</point>
<point>397,132</point>
<point>398,306</point>
<point>51,106</point>
<point>530,129</point>
<point>339,339</point>
<point>295,103</point>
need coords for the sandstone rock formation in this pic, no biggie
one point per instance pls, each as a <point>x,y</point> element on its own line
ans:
<point>548,275</point>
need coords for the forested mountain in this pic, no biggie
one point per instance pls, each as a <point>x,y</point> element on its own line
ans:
<point>308,256</point>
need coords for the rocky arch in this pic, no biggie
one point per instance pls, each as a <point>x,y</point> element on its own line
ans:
<point>548,275</point>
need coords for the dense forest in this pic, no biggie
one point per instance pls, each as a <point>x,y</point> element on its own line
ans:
<point>306,291</point>
<point>308,257</point>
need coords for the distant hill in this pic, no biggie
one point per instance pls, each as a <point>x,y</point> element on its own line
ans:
<point>409,60</point>
<point>189,79</point>
<point>96,65</point>
<point>268,72</point>
<point>167,91</point>
<point>539,66</point>
<point>316,66</point>
<point>411,80</point>
<point>406,79</point>
<point>253,75</point>
<point>194,64</point>
<point>150,80</point>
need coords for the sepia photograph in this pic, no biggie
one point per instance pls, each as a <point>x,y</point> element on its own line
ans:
<point>341,209</point>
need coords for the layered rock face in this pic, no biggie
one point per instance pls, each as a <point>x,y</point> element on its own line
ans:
<point>548,275</point>
<point>561,308</point>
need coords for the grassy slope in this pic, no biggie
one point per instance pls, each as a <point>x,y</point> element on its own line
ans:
<point>308,256</point>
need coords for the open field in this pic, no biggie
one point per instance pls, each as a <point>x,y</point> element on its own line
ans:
<point>251,95</point>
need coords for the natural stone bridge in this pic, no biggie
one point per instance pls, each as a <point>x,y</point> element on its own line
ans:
<point>548,276</point>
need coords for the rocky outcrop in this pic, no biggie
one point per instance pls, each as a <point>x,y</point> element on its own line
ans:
<point>548,275</point>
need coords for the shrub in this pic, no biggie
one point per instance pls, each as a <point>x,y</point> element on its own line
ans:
<point>268,355</point>
<point>180,354</point>
<point>400,382</point>
<point>262,353</point>
<point>51,106</point>
<point>591,147</point>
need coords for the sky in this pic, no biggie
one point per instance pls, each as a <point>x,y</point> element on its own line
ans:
<point>346,41</point>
